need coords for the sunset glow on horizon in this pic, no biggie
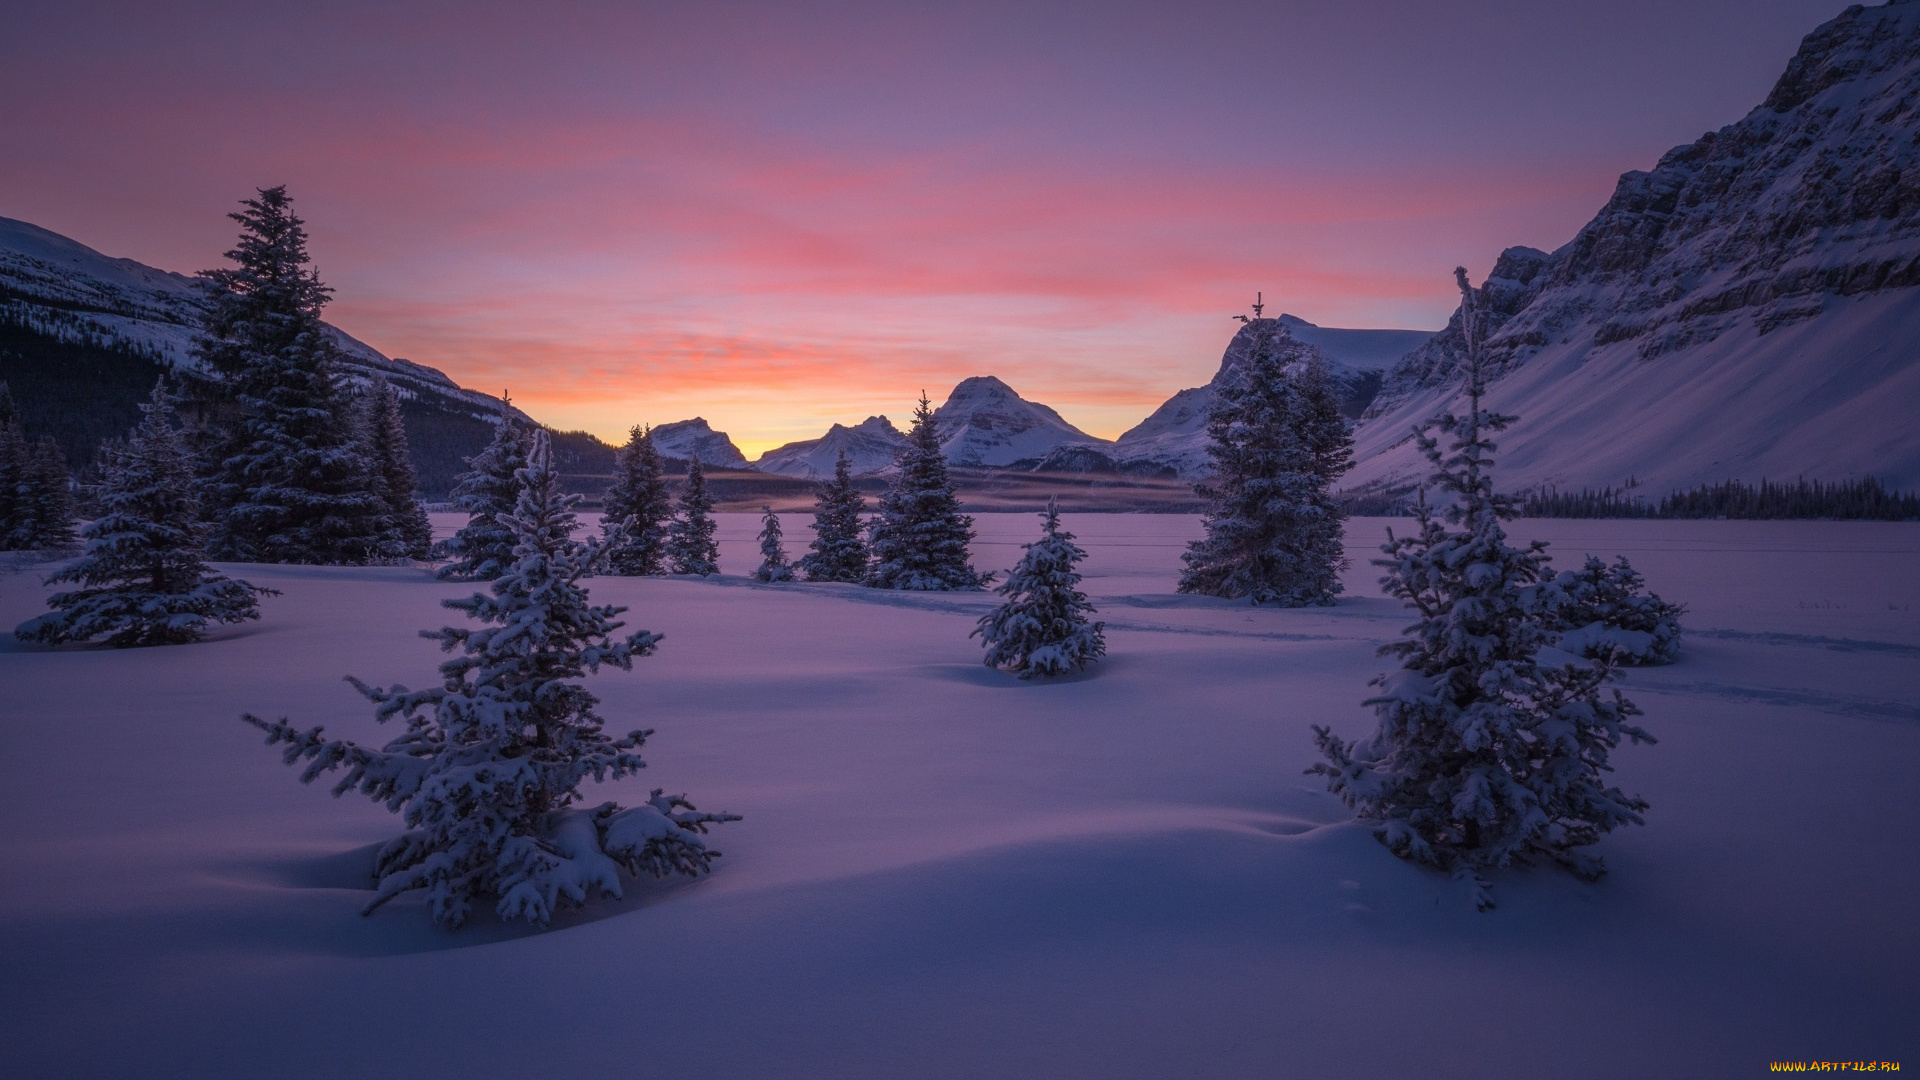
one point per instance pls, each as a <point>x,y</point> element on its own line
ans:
<point>780,217</point>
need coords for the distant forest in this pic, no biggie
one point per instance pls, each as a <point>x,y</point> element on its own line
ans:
<point>1845,500</point>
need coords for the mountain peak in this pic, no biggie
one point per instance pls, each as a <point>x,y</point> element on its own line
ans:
<point>985,422</point>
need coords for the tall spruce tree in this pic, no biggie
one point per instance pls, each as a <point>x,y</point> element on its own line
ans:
<point>488,491</point>
<point>289,483</point>
<point>141,576</point>
<point>691,548</point>
<point>636,509</point>
<point>1491,743</point>
<point>405,530</point>
<point>1042,628</point>
<point>920,539</point>
<point>839,548</point>
<point>1326,438</point>
<point>773,552</point>
<point>489,770</point>
<point>1273,530</point>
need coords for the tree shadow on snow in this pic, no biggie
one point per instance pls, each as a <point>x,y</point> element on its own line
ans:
<point>401,927</point>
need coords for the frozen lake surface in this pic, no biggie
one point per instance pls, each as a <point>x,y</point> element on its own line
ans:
<point>946,872</point>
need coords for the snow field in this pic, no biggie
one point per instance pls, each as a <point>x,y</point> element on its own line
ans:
<point>944,871</point>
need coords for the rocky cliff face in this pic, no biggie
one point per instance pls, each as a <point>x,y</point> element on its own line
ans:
<point>870,446</point>
<point>1744,308</point>
<point>688,439</point>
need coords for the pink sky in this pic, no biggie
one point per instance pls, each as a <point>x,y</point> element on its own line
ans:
<point>779,216</point>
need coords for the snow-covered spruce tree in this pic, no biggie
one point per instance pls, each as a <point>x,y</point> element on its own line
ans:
<point>773,554</point>
<point>1491,743</point>
<point>142,580</point>
<point>921,538</point>
<point>839,548</point>
<point>691,548</point>
<point>1606,610</point>
<point>1327,440</point>
<point>490,765</point>
<point>636,509</point>
<point>1042,628</point>
<point>1272,528</point>
<point>488,491</point>
<point>43,509</point>
<point>405,531</point>
<point>289,483</point>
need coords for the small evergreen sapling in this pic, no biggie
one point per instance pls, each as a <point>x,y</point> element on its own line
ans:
<point>142,580</point>
<point>773,554</point>
<point>1042,628</point>
<point>1606,611</point>
<point>488,772</point>
<point>488,492</point>
<point>839,548</point>
<point>1491,743</point>
<point>920,539</point>
<point>691,548</point>
<point>634,516</point>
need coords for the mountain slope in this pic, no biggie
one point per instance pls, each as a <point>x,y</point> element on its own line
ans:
<point>984,423</point>
<point>687,439</point>
<point>1747,308</point>
<point>84,335</point>
<point>870,446</point>
<point>1174,437</point>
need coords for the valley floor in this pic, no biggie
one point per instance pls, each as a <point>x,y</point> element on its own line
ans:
<point>945,872</point>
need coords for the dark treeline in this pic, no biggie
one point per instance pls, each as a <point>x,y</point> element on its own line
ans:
<point>1854,500</point>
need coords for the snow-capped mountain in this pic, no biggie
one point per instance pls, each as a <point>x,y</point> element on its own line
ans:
<point>1174,437</point>
<point>984,423</point>
<point>870,446</point>
<point>1748,308</point>
<point>69,291</point>
<point>686,439</point>
<point>1361,350</point>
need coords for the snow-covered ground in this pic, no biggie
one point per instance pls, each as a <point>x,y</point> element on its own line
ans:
<point>945,872</point>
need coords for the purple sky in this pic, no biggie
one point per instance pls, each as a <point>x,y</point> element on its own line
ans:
<point>779,216</point>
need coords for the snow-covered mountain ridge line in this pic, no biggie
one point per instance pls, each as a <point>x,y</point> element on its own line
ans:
<point>66,290</point>
<point>1746,308</point>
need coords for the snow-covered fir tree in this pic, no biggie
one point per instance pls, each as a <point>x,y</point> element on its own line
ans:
<point>691,548</point>
<point>920,540</point>
<point>488,491</point>
<point>636,509</point>
<point>289,483</point>
<point>1273,529</point>
<point>1491,744</point>
<point>487,774</point>
<point>773,553</point>
<point>839,548</point>
<point>141,577</point>
<point>1326,437</point>
<point>1604,610</point>
<point>405,531</point>
<point>1042,628</point>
